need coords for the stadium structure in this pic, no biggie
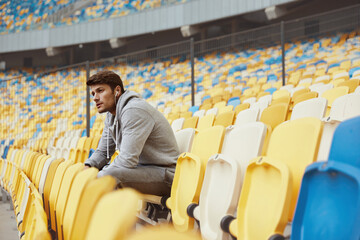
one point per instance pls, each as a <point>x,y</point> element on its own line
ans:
<point>263,97</point>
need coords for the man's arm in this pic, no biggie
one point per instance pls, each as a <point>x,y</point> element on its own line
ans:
<point>99,158</point>
<point>137,125</point>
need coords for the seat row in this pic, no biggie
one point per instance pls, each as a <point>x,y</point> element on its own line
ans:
<point>225,171</point>
<point>62,201</point>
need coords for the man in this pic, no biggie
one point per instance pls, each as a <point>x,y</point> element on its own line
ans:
<point>147,146</point>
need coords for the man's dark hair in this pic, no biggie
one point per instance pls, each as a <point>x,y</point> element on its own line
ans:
<point>106,77</point>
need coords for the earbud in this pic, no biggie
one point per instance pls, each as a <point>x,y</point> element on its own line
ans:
<point>117,93</point>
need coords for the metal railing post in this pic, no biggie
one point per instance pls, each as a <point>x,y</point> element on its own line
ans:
<point>87,100</point>
<point>282,29</point>
<point>192,72</point>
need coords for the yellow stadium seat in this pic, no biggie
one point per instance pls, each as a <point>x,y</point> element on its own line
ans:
<point>75,194</point>
<point>54,193</point>
<point>332,94</point>
<point>63,195</point>
<point>189,174</point>
<point>205,122</point>
<point>265,178</point>
<point>304,96</point>
<point>114,215</point>
<point>48,183</point>
<point>88,200</point>
<point>191,122</point>
<point>274,114</point>
<point>352,84</point>
<point>225,119</point>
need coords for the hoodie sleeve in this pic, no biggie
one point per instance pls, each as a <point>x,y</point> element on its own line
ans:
<point>136,125</point>
<point>99,158</point>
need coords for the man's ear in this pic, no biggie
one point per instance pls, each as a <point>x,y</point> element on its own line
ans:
<point>117,91</point>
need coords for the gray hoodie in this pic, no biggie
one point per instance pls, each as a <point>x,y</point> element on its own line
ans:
<point>140,133</point>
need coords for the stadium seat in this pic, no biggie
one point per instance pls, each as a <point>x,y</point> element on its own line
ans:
<point>304,97</point>
<point>274,114</point>
<point>315,107</point>
<point>80,181</point>
<point>277,178</point>
<point>191,122</point>
<point>189,174</point>
<point>177,124</point>
<point>114,215</point>
<point>333,94</point>
<point>247,116</point>
<point>63,195</point>
<point>241,107</point>
<point>205,122</point>
<point>328,195</point>
<point>88,200</point>
<point>184,139</point>
<point>54,193</point>
<point>241,144</point>
<point>343,108</point>
<point>225,119</point>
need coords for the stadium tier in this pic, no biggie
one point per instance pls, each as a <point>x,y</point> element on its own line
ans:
<point>17,16</point>
<point>261,157</point>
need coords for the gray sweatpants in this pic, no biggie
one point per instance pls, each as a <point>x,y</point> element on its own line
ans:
<point>147,179</point>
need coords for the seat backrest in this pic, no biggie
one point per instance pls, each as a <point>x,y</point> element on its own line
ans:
<point>189,174</point>
<point>206,122</point>
<point>241,144</point>
<point>320,89</point>
<point>80,143</point>
<point>199,113</point>
<point>184,139</point>
<point>250,100</point>
<point>329,196</point>
<point>334,93</point>
<point>213,111</point>
<point>225,119</point>
<point>352,84</point>
<point>280,93</point>
<point>247,116</point>
<point>78,186</point>
<point>220,104</point>
<point>95,142</point>
<point>315,107</point>
<point>88,200</point>
<point>284,146</point>
<point>48,183</point>
<point>274,114</point>
<point>191,122</point>
<point>269,179</point>
<point>226,109</point>
<point>54,193</point>
<point>44,174</point>
<point>177,124</point>
<point>40,169</point>
<point>63,195</point>
<point>114,215</point>
<point>345,107</point>
<point>304,97</point>
<point>241,107</point>
<point>261,105</point>
<point>345,143</point>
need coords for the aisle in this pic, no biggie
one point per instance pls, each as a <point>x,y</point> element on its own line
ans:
<point>8,229</point>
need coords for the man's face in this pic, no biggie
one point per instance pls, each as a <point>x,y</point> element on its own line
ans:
<point>104,98</point>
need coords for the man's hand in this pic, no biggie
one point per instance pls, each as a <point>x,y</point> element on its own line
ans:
<point>86,167</point>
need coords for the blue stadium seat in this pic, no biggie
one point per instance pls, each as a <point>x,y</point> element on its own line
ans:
<point>329,202</point>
